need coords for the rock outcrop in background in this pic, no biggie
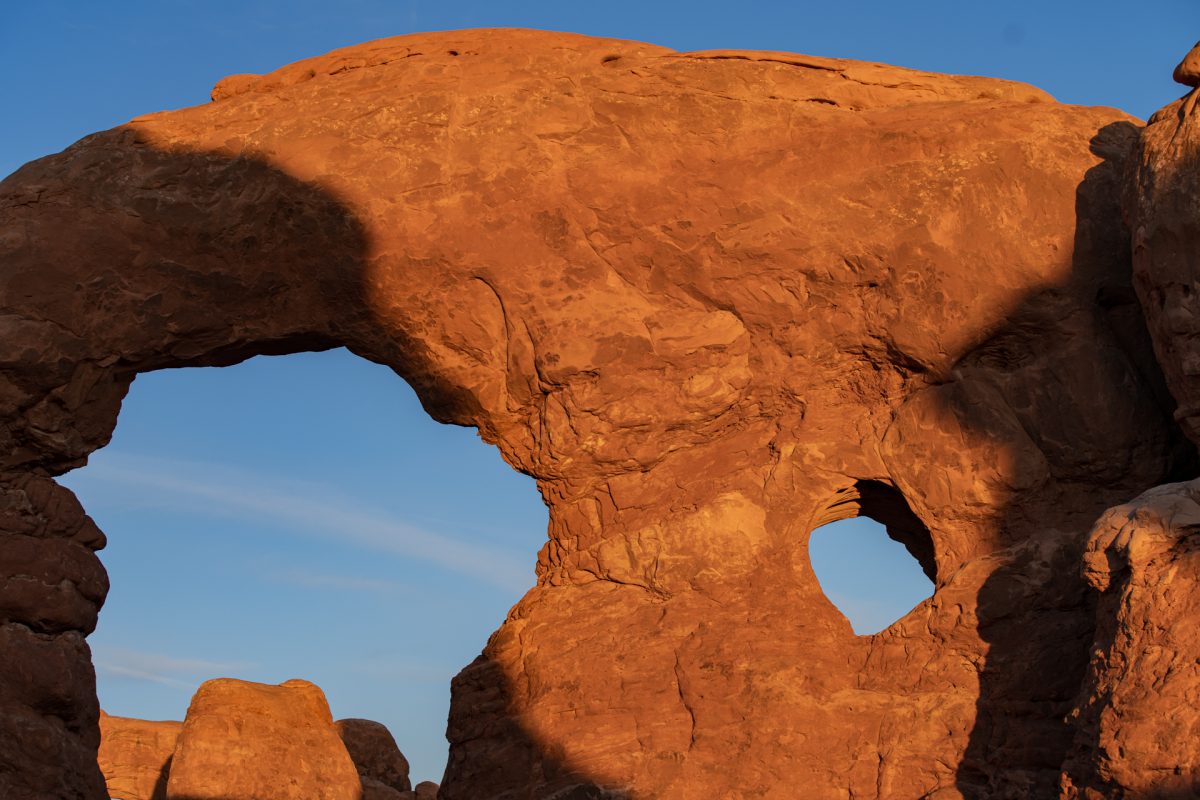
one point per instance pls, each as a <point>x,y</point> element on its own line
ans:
<point>135,756</point>
<point>710,301</point>
<point>378,760</point>
<point>253,741</point>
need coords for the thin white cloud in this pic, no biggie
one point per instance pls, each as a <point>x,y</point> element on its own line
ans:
<point>118,671</point>
<point>317,580</point>
<point>182,673</point>
<point>303,507</point>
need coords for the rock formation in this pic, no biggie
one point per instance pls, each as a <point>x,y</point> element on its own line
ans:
<point>1188,71</point>
<point>135,756</point>
<point>374,753</point>
<point>426,790</point>
<point>252,741</point>
<point>1138,730</point>
<point>709,301</point>
<point>1164,215</point>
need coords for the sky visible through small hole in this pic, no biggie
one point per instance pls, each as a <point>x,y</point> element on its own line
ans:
<point>871,578</point>
<point>303,517</point>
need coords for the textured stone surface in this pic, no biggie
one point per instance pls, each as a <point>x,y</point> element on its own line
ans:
<point>135,756</point>
<point>51,588</point>
<point>1164,212</point>
<point>374,752</point>
<point>1139,715</point>
<point>1187,71</point>
<point>253,741</point>
<point>374,790</point>
<point>709,301</point>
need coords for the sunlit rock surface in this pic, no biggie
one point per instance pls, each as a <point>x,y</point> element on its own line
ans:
<point>1138,721</point>
<point>710,301</point>
<point>135,756</point>
<point>260,742</point>
<point>252,741</point>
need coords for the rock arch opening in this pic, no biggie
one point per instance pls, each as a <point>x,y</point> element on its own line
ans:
<point>873,556</point>
<point>302,516</point>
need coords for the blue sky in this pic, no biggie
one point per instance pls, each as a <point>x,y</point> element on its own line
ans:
<point>302,516</point>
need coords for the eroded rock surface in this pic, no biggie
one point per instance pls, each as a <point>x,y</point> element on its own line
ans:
<point>1138,719</point>
<point>275,736</point>
<point>135,756</point>
<point>374,753</point>
<point>254,741</point>
<point>1164,211</point>
<point>1187,71</point>
<point>710,301</point>
<point>51,588</point>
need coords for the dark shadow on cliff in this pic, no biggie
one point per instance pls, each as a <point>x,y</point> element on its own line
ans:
<point>208,260</point>
<point>160,785</point>
<point>1034,611</point>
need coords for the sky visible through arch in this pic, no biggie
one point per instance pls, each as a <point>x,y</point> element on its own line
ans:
<point>302,516</point>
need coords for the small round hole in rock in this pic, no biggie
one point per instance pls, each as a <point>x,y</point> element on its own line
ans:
<point>874,560</point>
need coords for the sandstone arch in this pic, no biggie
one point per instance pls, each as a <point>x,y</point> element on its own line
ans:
<point>694,295</point>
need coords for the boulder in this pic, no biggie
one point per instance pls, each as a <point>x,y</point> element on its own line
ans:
<point>374,752</point>
<point>1187,71</point>
<point>374,790</point>
<point>135,756</point>
<point>425,790</point>
<point>1137,721</point>
<point>255,741</point>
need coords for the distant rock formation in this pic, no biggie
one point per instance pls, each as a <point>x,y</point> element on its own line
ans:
<point>426,790</point>
<point>253,741</point>
<point>709,301</point>
<point>135,756</point>
<point>374,753</point>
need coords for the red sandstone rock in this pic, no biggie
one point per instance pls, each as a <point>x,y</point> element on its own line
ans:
<point>374,790</point>
<point>1164,212</point>
<point>253,741</point>
<point>374,753</point>
<point>135,756</point>
<point>709,301</point>
<point>425,790</point>
<point>1188,71</point>
<point>1138,720</point>
<point>51,587</point>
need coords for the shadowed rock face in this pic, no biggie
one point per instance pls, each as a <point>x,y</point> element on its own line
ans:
<point>1164,211</point>
<point>709,301</point>
<point>374,753</point>
<point>1137,722</point>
